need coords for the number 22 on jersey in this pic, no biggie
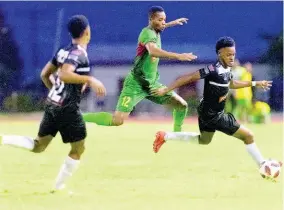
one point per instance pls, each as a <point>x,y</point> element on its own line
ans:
<point>55,94</point>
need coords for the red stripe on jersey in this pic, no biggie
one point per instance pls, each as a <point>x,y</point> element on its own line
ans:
<point>141,49</point>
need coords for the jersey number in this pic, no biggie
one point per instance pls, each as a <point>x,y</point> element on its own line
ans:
<point>125,101</point>
<point>56,91</point>
<point>62,55</point>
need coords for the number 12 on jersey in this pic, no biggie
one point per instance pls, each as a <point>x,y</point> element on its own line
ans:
<point>55,94</point>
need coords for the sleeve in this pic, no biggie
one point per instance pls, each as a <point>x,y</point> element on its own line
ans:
<point>75,57</point>
<point>206,71</point>
<point>54,60</point>
<point>148,36</point>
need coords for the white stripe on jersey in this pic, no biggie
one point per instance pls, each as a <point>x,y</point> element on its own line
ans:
<point>221,69</point>
<point>218,84</point>
<point>86,69</point>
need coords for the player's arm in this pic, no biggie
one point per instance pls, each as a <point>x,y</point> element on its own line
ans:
<point>236,84</point>
<point>183,80</point>
<point>67,75</point>
<point>154,51</point>
<point>46,72</point>
<point>176,22</point>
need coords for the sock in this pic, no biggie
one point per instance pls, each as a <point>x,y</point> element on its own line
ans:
<point>66,170</point>
<point>255,153</point>
<point>182,136</point>
<point>17,141</point>
<point>179,116</point>
<point>100,118</point>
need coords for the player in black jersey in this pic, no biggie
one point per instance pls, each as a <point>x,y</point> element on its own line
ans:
<point>62,113</point>
<point>211,115</point>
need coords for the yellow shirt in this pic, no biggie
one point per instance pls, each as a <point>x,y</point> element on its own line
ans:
<point>244,93</point>
<point>261,108</point>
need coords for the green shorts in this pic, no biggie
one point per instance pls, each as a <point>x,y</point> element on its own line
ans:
<point>132,93</point>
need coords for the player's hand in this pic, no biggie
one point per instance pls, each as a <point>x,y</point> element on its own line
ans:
<point>98,87</point>
<point>180,21</point>
<point>186,57</point>
<point>159,92</point>
<point>264,84</point>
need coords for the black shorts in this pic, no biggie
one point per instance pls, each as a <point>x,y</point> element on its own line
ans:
<point>226,123</point>
<point>68,122</point>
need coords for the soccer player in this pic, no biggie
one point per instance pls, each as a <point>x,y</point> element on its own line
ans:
<point>218,81</point>
<point>62,111</point>
<point>144,75</point>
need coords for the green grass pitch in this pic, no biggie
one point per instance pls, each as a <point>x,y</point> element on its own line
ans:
<point>119,171</point>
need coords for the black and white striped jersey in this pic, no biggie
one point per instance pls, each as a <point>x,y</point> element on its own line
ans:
<point>216,88</point>
<point>68,95</point>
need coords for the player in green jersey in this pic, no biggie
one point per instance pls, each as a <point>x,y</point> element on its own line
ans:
<point>144,75</point>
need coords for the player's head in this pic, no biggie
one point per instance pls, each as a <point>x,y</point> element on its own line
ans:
<point>226,51</point>
<point>79,28</point>
<point>248,66</point>
<point>157,18</point>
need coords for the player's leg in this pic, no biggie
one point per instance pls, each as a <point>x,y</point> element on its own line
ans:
<point>130,96</point>
<point>204,138</point>
<point>247,137</point>
<point>228,124</point>
<point>73,130</point>
<point>46,133</point>
<point>70,164</point>
<point>176,103</point>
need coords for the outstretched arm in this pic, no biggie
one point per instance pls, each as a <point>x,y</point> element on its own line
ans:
<point>183,80</point>
<point>236,84</point>
<point>176,22</point>
<point>159,53</point>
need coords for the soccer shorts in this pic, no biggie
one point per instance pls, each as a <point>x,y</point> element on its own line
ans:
<point>132,93</point>
<point>68,122</point>
<point>227,124</point>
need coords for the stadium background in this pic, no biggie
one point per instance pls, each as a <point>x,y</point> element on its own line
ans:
<point>32,31</point>
<point>119,169</point>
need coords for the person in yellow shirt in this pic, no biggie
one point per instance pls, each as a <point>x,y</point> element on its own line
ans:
<point>244,95</point>
<point>260,112</point>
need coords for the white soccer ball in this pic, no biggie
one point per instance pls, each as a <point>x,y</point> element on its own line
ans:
<point>270,169</point>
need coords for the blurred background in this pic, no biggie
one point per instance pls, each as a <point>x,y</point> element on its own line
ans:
<point>31,32</point>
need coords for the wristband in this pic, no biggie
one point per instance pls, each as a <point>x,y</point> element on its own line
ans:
<point>253,83</point>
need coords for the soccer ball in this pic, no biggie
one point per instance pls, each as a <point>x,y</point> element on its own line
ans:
<point>270,169</point>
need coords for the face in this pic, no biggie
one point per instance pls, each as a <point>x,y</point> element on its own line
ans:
<point>87,34</point>
<point>227,56</point>
<point>158,21</point>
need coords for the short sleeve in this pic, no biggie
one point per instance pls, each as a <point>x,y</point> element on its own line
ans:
<point>148,35</point>
<point>206,71</point>
<point>74,57</point>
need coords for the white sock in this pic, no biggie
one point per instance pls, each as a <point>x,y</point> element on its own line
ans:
<point>18,141</point>
<point>66,170</point>
<point>255,153</point>
<point>182,136</point>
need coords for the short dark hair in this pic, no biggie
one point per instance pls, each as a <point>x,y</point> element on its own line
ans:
<point>77,25</point>
<point>155,9</point>
<point>223,42</point>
